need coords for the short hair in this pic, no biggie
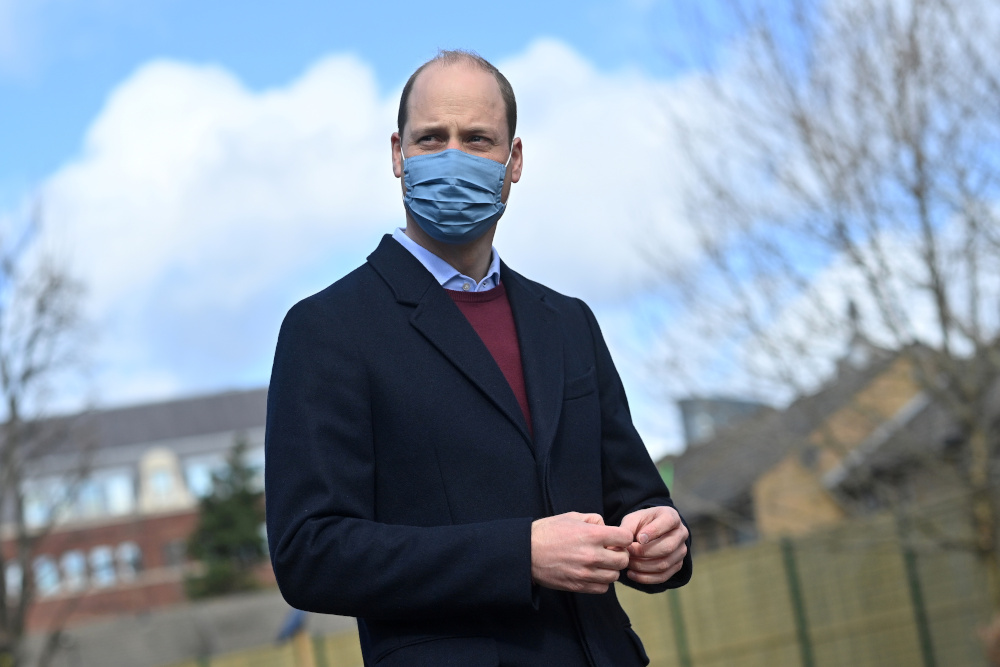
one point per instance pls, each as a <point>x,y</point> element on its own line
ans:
<point>471,58</point>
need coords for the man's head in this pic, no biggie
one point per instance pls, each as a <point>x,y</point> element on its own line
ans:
<point>457,102</point>
<point>468,59</point>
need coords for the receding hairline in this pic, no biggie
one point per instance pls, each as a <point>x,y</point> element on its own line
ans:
<point>452,58</point>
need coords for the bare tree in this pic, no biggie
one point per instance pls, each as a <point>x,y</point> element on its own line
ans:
<point>41,336</point>
<point>842,175</point>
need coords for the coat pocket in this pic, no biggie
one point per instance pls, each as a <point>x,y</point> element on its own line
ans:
<point>444,652</point>
<point>580,386</point>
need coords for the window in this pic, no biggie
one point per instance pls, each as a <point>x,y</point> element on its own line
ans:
<point>74,568</point>
<point>41,497</point>
<point>105,493</point>
<point>119,492</point>
<point>809,456</point>
<point>173,553</point>
<point>46,576</point>
<point>129,559</point>
<point>198,472</point>
<point>102,567</point>
<point>162,484</point>
<point>90,500</point>
<point>13,577</point>
<point>704,426</point>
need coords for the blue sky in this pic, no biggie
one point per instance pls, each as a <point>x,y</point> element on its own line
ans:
<point>203,165</point>
<point>63,57</point>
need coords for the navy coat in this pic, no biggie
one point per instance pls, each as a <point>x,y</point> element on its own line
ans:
<point>402,479</point>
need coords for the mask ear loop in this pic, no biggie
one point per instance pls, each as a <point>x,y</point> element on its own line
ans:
<point>505,164</point>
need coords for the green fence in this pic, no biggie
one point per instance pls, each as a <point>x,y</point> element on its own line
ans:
<point>341,650</point>
<point>879,593</point>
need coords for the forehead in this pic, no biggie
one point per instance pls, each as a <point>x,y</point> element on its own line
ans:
<point>457,91</point>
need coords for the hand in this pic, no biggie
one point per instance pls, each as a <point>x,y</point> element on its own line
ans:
<point>659,548</point>
<point>577,552</point>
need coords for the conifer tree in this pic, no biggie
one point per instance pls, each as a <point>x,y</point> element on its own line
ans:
<point>227,541</point>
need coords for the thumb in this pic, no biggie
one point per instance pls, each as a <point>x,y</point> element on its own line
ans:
<point>634,523</point>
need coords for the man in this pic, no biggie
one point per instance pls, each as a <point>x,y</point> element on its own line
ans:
<point>450,456</point>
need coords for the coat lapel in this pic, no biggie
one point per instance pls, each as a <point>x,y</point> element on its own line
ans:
<point>540,337</point>
<point>440,321</point>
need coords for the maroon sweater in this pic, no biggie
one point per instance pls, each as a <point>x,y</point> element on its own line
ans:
<point>489,314</point>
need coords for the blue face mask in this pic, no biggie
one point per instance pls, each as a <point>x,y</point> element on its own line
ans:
<point>453,196</point>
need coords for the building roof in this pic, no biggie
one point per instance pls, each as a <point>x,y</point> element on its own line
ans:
<point>716,476</point>
<point>119,435</point>
<point>179,418</point>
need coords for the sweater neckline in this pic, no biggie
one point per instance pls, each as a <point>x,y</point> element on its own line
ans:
<point>477,297</point>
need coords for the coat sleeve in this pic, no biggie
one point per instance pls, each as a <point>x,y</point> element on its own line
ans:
<point>631,481</point>
<point>329,552</point>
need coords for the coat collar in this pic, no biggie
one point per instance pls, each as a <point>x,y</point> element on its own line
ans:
<point>439,320</point>
<point>540,335</point>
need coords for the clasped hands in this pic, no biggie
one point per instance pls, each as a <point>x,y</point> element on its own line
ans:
<point>577,552</point>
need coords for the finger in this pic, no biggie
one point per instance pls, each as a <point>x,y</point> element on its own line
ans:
<point>655,577</point>
<point>661,546</point>
<point>634,521</point>
<point>658,564</point>
<point>595,519</point>
<point>614,536</point>
<point>659,522</point>
<point>615,561</point>
<point>607,571</point>
<point>664,521</point>
<point>650,523</point>
<point>652,565</point>
<point>593,588</point>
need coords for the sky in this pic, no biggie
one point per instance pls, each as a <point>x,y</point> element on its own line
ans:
<point>201,166</point>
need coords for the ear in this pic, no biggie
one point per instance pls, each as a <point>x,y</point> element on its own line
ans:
<point>516,160</point>
<point>397,155</point>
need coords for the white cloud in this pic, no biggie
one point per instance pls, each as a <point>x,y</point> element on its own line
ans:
<point>187,174</point>
<point>597,184</point>
<point>199,210</point>
<point>198,206</point>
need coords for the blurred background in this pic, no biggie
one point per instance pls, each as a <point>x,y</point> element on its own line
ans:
<point>784,215</point>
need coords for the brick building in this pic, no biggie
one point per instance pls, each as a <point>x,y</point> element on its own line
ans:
<point>870,438</point>
<point>115,499</point>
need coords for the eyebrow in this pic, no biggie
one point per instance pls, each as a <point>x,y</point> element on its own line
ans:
<point>430,128</point>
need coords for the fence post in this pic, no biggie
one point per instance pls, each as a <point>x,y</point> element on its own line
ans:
<point>798,604</point>
<point>302,649</point>
<point>916,594</point>
<point>680,632</point>
<point>319,650</point>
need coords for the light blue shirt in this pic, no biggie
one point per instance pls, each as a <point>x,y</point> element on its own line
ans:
<point>448,276</point>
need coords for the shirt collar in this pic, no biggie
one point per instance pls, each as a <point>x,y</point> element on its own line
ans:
<point>447,275</point>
